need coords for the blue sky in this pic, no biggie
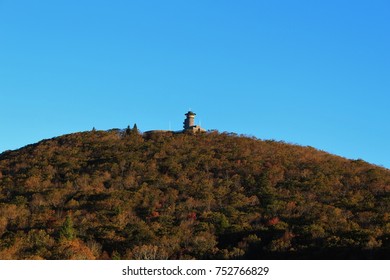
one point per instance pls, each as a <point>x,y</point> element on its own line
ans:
<point>307,72</point>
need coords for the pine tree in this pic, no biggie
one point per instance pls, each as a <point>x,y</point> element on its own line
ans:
<point>135,129</point>
<point>67,230</point>
<point>128,130</point>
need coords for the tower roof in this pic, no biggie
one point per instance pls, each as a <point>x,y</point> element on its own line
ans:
<point>190,113</point>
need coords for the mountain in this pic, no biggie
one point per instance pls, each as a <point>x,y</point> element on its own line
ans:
<point>127,195</point>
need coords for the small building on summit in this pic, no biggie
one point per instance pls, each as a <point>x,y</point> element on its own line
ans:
<point>189,123</point>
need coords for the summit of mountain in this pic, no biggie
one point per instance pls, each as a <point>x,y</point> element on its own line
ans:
<point>128,195</point>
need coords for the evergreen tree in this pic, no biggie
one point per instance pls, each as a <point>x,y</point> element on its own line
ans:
<point>128,130</point>
<point>67,230</point>
<point>135,129</point>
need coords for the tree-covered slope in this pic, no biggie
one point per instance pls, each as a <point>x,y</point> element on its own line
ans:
<point>112,195</point>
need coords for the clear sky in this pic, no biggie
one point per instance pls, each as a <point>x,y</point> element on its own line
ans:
<point>308,72</point>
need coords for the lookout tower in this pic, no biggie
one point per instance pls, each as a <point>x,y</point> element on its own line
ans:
<point>189,122</point>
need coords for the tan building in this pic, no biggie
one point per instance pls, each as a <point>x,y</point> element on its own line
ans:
<point>189,123</point>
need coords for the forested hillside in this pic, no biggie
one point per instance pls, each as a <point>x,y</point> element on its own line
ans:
<point>124,195</point>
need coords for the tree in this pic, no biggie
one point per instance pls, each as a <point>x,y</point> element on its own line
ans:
<point>67,230</point>
<point>135,129</point>
<point>128,130</point>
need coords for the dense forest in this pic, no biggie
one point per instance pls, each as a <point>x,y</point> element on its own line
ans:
<point>126,195</point>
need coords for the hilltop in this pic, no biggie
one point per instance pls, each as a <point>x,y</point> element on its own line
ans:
<point>125,195</point>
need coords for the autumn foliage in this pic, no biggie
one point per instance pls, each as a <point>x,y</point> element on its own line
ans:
<point>124,195</point>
